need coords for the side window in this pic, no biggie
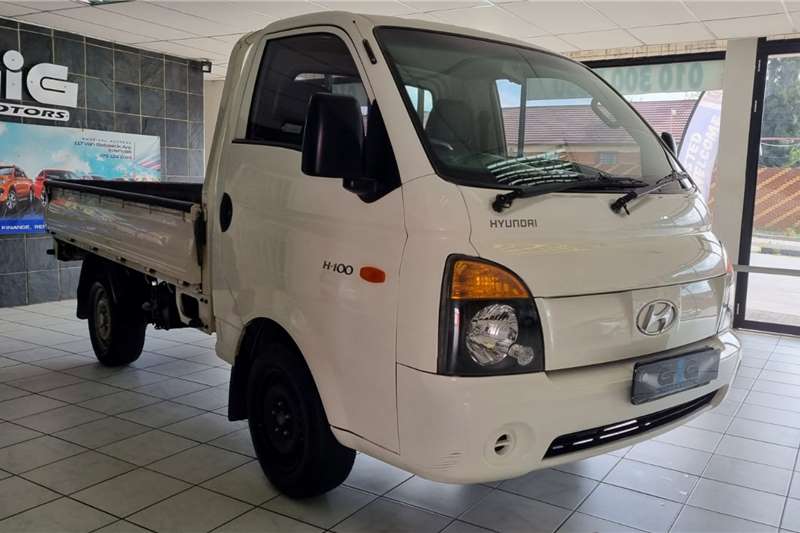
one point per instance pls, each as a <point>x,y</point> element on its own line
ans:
<point>292,70</point>
<point>422,100</point>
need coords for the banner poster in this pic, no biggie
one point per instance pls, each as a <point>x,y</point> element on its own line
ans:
<point>31,154</point>
<point>700,142</point>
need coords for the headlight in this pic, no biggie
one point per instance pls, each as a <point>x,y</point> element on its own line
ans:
<point>488,324</point>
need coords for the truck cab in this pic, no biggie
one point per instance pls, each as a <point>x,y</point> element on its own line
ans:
<point>401,253</point>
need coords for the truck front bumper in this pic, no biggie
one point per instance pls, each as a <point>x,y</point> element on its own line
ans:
<point>469,430</point>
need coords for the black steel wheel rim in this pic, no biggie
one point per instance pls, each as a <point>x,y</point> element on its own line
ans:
<point>281,421</point>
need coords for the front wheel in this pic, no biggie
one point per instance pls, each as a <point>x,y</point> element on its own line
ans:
<point>290,432</point>
<point>117,333</point>
<point>11,201</point>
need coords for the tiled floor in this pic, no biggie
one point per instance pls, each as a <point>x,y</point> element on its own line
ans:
<point>86,448</point>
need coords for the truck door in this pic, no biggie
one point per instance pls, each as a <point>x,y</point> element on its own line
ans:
<point>290,247</point>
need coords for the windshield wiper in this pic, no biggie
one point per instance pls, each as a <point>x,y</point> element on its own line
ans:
<point>547,186</point>
<point>622,202</point>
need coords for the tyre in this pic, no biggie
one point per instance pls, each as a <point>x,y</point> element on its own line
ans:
<point>11,201</point>
<point>117,334</point>
<point>290,432</point>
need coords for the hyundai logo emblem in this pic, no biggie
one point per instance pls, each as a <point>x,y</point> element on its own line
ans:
<point>656,317</point>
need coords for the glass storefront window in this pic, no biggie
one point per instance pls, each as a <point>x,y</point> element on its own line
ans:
<point>684,99</point>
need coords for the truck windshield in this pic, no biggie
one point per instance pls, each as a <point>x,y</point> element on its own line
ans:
<point>503,116</point>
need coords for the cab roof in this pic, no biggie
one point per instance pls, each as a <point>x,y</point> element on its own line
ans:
<point>346,20</point>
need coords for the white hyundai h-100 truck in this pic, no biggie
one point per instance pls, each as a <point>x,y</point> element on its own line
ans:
<point>460,254</point>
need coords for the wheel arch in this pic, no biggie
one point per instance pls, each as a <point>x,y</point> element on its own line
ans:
<point>256,331</point>
<point>123,282</point>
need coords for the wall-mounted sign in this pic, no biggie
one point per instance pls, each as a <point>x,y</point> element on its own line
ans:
<point>31,154</point>
<point>47,84</point>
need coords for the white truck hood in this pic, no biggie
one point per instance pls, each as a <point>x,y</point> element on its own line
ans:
<point>573,244</point>
<point>592,271</point>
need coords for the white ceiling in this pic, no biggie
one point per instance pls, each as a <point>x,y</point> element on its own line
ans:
<point>208,29</point>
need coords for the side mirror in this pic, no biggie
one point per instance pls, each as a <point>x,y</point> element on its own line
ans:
<point>669,141</point>
<point>333,137</point>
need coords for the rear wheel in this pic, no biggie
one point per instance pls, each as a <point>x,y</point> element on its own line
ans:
<point>117,332</point>
<point>290,432</point>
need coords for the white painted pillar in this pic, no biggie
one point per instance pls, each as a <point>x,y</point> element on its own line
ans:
<point>212,96</point>
<point>737,109</point>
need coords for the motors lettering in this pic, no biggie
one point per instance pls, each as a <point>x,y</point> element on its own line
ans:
<point>339,268</point>
<point>503,223</point>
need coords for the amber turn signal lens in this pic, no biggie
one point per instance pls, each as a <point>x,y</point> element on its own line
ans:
<point>372,274</point>
<point>475,280</point>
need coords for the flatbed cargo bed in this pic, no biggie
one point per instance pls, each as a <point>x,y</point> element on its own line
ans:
<point>155,228</point>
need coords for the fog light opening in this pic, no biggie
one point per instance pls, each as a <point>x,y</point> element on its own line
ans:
<point>503,444</point>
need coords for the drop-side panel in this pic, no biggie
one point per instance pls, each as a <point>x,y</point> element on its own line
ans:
<point>155,239</point>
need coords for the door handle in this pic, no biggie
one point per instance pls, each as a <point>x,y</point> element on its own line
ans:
<point>225,212</point>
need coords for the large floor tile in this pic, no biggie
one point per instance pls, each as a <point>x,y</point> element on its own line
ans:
<point>757,452</point>
<point>36,452</point>
<point>509,513</point>
<point>209,399</point>
<point>239,441</point>
<point>160,414</point>
<point>791,515</point>
<point>552,486</point>
<point>17,495</point>
<point>12,434</point>
<point>59,419</point>
<point>443,498</point>
<point>63,516</point>
<point>26,406</point>
<point>45,382</point>
<point>386,516</point>
<point>193,511</point>
<point>81,392</point>
<point>246,483</point>
<point>77,472</point>
<point>694,520</point>
<point>132,378</point>
<point>204,428</point>
<point>689,437</point>
<point>322,511</point>
<point>748,474</point>
<point>375,476</point>
<point>101,432</point>
<point>670,456</point>
<point>199,464</point>
<point>654,480</point>
<point>738,501</point>
<point>631,508</point>
<point>171,388</point>
<point>263,521</point>
<point>128,493</point>
<point>119,402</point>
<point>772,433</point>
<point>596,467</point>
<point>583,523</point>
<point>148,447</point>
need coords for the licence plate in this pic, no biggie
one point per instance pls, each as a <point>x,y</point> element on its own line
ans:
<point>656,379</point>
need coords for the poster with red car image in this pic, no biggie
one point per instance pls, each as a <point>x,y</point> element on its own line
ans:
<point>31,154</point>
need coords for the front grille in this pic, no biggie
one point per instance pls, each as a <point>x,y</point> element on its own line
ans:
<point>598,436</point>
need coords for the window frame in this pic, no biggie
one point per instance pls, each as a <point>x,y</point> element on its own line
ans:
<point>255,62</point>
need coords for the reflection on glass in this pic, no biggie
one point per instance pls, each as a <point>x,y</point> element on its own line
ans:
<point>684,99</point>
